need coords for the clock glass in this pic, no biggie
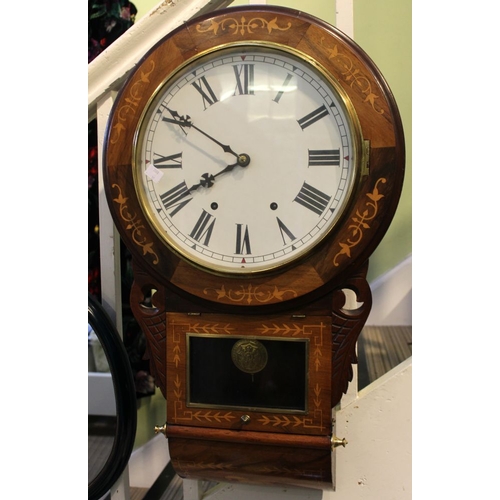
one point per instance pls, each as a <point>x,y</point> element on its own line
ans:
<point>246,158</point>
<point>269,374</point>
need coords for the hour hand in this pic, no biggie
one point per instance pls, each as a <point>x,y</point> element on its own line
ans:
<point>207,180</point>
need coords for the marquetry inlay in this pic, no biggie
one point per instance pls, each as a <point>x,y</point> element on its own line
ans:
<point>314,331</point>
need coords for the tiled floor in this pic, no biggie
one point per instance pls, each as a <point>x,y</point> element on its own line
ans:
<point>380,349</point>
<point>101,432</point>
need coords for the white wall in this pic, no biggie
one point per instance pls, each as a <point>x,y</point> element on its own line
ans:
<point>392,296</point>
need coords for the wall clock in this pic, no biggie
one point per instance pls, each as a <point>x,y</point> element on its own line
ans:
<point>254,160</point>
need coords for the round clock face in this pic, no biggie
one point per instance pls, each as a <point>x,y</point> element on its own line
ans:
<point>246,158</point>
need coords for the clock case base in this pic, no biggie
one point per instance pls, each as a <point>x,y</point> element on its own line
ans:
<point>212,448</point>
<point>249,458</point>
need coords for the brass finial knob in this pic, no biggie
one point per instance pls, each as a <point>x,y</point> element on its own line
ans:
<point>336,442</point>
<point>161,429</point>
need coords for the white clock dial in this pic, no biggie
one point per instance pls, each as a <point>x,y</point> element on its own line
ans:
<point>246,159</point>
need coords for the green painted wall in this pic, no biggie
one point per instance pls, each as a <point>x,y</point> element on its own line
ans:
<point>383,29</point>
<point>144,6</point>
<point>324,9</point>
<point>151,411</point>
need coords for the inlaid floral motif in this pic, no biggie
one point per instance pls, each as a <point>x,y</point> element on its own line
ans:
<point>360,223</point>
<point>242,26</point>
<point>134,225</point>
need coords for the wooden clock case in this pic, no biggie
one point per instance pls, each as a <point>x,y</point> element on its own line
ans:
<point>301,307</point>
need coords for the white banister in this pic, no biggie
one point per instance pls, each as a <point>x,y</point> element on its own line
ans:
<point>108,70</point>
<point>105,75</point>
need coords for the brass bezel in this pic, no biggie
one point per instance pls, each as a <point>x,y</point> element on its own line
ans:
<point>248,408</point>
<point>359,164</point>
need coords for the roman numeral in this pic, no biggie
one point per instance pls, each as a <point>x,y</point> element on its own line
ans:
<point>285,231</point>
<point>244,79</point>
<point>203,228</point>
<point>324,157</point>
<point>163,161</point>
<point>312,198</point>
<point>242,240</point>
<point>178,197</point>
<point>283,88</point>
<point>207,94</point>
<point>313,117</point>
<point>181,121</point>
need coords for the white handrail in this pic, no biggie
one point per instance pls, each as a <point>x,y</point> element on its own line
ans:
<point>107,71</point>
<point>105,75</point>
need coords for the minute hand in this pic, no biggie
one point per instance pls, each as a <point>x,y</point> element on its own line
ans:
<point>185,122</point>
